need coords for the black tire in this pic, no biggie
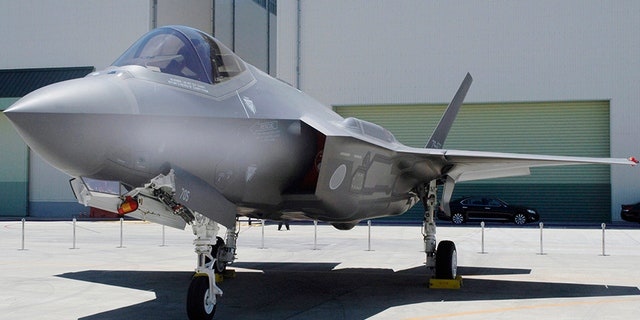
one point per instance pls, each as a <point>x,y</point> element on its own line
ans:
<point>197,307</point>
<point>446,260</point>
<point>520,218</point>
<point>215,251</point>
<point>458,218</point>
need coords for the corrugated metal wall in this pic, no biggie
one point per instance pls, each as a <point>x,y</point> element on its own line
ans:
<point>577,193</point>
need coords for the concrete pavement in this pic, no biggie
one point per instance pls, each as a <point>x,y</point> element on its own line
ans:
<point>335,276</point>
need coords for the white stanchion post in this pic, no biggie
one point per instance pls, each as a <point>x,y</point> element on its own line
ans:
<point>369,237</point>
<point>604,226</point>
<point>315,234</point>
<point>74,234</point>
<point>262,224</point>
<point>163,237</point>
<point>22,246</point>
<point>541,228</point>
<point>482,241</point>
<point>121,232</point>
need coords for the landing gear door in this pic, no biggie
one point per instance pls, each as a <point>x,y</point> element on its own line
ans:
<point>199,196</point>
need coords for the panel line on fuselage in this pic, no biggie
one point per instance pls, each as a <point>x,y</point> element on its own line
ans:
<point>243,105</point>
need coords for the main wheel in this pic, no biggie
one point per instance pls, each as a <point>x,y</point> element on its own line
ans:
<point>457,218</point>
<point>198,306</point>
<point>216,251</point>
<point>446,260</point>
<point>520,218</point>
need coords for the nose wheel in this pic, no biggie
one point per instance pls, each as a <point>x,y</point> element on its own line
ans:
<point>200,304</point>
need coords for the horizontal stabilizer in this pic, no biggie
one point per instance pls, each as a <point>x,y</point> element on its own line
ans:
<point>442,130</point>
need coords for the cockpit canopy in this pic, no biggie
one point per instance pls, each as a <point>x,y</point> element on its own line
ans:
<point>184,52</point>
<point>368,129</point>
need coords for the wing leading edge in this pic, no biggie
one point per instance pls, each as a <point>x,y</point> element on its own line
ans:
<point>464,165</point>
<point>477,165</point>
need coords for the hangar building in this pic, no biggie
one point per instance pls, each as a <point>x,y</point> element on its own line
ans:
<point>559,78</point>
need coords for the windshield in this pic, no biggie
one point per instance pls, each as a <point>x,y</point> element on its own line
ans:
<point>183,52</point>
<point>369,129</point>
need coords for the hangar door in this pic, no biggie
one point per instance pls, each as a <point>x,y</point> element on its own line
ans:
<point>573,193</point>
<point>13,171</point>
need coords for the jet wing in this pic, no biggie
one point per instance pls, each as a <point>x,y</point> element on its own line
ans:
<point>461,165</point>
<point>477,165</point>
<point>464,165</point>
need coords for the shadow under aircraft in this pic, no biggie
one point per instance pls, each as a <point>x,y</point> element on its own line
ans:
<point>342,294</point>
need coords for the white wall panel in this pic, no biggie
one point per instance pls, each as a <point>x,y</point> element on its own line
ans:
<point>286,56</point>
<point>224,21</point>
<point>251,41</point>
<point>37,33</point>
<point>420,50</point>
<point>193,13</point>
<point>273,45</point>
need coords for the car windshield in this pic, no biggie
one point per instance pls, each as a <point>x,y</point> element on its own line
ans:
<point>183,52</point>
<point>494,202</point>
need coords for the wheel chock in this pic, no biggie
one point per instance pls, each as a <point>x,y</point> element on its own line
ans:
<point>445,283</point>
<point>229,273</point>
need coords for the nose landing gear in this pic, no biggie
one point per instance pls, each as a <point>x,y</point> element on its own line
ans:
<point>213,257</point>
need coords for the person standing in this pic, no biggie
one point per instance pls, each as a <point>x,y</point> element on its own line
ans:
<point>286,224</point>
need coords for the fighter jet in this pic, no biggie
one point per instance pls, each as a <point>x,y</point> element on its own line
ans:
<point>179,130</point>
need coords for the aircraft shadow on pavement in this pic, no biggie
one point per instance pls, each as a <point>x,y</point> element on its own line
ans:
<point>315,290</point>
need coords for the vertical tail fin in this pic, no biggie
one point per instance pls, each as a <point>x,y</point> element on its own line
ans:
<point>436,141</point>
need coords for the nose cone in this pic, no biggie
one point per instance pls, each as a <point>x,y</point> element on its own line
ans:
<point>105,94</point>
<point>65,122</point>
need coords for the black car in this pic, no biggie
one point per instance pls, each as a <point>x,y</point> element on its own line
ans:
<point>630,212</point>
<point>487,209</point>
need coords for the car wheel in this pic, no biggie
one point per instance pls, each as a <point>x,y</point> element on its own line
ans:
<point>520,218</point>
<point>457,218</point>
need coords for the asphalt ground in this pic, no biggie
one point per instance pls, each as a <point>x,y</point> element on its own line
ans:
<point>328,274</point>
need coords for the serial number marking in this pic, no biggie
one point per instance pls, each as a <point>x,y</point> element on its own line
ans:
<point>184,195</point>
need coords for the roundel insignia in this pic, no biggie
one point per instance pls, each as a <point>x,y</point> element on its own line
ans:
<point>338,177</point>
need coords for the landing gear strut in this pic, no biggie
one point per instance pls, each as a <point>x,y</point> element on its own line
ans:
<point>441,261</point>
<point>213,257</point>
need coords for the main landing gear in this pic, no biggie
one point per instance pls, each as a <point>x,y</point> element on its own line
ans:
<point>442,261</point>
<point>213,257</point>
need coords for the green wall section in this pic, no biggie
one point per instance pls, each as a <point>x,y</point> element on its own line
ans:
<point>6,102</point>
<point>13,197</point>
<point>574,193</point>
<point>13,171</point>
